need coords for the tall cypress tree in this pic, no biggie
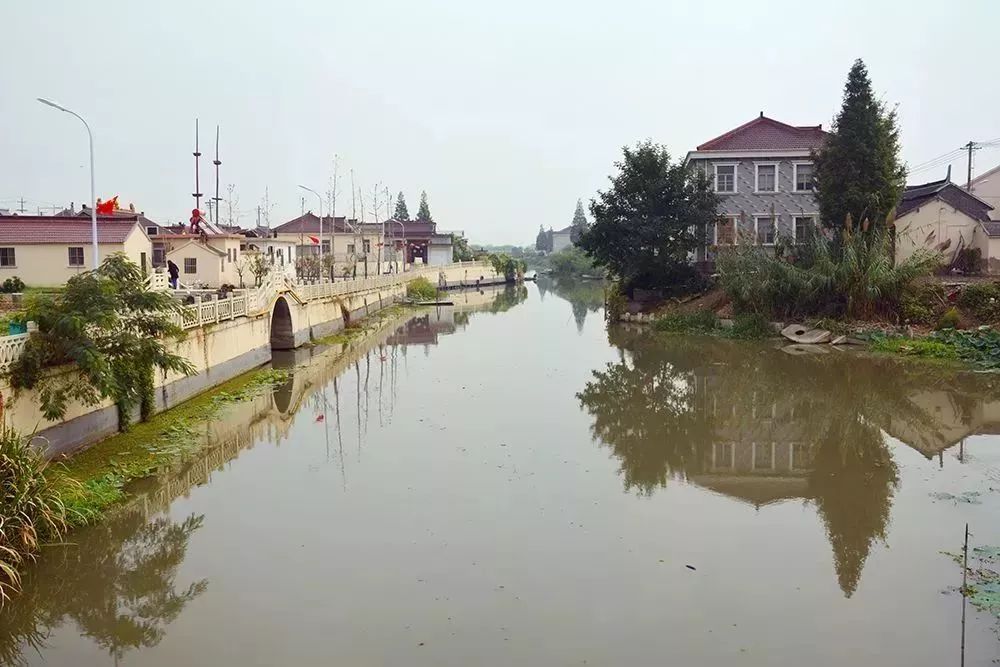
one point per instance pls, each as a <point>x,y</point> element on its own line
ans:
<point>579,225</point>
<point>424,212</point>
<point>541,243</point>
<point>858,170</point>
<point>401,212</point>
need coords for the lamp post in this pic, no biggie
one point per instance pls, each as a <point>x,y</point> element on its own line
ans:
<point>319,198</point>
<point>93,193</point>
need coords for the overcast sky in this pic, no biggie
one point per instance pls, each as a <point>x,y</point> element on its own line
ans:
<point>505,112</point>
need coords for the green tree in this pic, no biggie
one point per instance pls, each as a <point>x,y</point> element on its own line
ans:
<point>424,212</point>
<point>401,212</point>
<point>460,249</point>
<point>858,169</point>
<point>113,328</point>
<point>541,240</point>
<point>652,218</point>
<point>579,226</point>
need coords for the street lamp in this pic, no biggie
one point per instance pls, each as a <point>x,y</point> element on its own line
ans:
<point>319,198</point>
<point>93,193</point>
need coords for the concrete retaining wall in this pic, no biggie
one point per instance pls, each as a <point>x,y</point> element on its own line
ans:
<point>218,353</point>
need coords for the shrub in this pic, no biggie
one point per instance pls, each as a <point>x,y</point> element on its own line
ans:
<point>969,261</point>
<point>12,285</point>
<point>751,326</point>
<point>30,509</point>
<point>699,322</point>
<point>852,274</point>
<point>571,261</point>
<point>949,320</point>
<point>918,305</point>
<point>981,300</point>
<point>421,289</point>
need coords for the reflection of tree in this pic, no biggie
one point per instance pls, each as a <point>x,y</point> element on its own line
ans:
<point>116,583</point>
<point>584,296</point>
<point>510,297</point>
<point>761,425</point>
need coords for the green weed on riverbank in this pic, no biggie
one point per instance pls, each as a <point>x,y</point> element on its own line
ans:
<point>745,327</point>
<point>977,347</point>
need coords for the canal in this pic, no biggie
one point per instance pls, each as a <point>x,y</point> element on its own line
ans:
<point>506,482</point>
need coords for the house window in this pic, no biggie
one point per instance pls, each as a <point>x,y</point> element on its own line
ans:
<point>763,456</point>
<point>350,248</point>
<point>159,256</point>
<point>281,256</point>
<point>764,230</point>
<point>190,265</point>
<point>725,178</point>
<point>722,455</point>
<point>803,176</point>
<point>326,247</point>
<point>802,456</point>
<point>804,227</point>
<point>76,255</point>
<point>366,244</point>
<point>725,231</point>
<point>7,257</point>
<point>766,177</point>
<point>152,231</point>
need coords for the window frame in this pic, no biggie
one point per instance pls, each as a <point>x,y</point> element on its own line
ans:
<point>813,217</point>
<point>13,257</point>
<point>152,230</point>
<point>715,177</point>
<point>195,264</point>
<point>774,230</point>
<point>735,219</point>
<point>795,176</point>
<point>69,256</point>
<point>756,177</point>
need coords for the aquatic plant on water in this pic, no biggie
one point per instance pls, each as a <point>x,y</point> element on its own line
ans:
<point>421,289</point>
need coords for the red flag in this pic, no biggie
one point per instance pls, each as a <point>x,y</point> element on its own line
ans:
<point>108,207</point>
<point>314,240</point>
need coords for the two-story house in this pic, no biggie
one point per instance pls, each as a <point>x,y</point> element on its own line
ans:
<point>762,172</point>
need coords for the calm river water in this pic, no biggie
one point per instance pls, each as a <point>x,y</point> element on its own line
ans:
<point>505,482</point>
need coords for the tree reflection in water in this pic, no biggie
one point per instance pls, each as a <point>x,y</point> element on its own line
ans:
<point>760,425</point>
<point>124,597</point>
<point>584,296</point>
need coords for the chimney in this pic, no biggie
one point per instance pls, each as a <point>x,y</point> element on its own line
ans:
<point>72,207</point>
<point>948,176</point>
<point>761,114</point>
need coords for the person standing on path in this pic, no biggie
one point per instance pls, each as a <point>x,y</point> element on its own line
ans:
<point>174,273</point>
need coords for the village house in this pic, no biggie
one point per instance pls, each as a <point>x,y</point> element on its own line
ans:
<point>46,251</point>
<point>346,239</point>
<point>562,239</point>
<point>762,172</point>
<point>986,187</point>
<point>943,217</point>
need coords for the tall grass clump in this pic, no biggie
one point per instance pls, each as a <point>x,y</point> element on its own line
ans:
<point>421,289</point>
<point>850,273</point>
<point>31,510</point>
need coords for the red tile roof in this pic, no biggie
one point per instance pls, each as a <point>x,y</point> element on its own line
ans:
<point>309,224</point>
<point>767,134</point>
<point>31,229</point>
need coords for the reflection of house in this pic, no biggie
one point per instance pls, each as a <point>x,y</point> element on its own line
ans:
<point>46,251</point>
<point>943,419</point>
<point>425,329</point>
<point>940,216</point>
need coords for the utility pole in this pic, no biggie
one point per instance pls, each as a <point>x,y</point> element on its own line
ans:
<point>22,209</point>
<point>258,215</point>
<point>197,160</point>
<point>217,162</point>
<point>302,206</point>
<point>971,146</point>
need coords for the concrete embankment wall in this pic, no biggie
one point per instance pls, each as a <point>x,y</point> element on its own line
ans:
<point>218,352</point>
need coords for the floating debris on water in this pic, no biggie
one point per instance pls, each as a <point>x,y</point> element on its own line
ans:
<point>968,497</point>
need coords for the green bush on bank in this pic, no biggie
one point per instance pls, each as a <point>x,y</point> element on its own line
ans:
<point>699,322</point>
<point>421,289</point>
<point>982,300</point>
<point>747,326</point>
<point>31,510</point>
<point>750,326</point>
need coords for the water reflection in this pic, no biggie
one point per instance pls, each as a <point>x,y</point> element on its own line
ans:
<point>584,296</point>
<point>760,426</point>
<point>129,595</point>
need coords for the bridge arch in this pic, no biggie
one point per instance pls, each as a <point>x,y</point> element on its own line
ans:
<point>282,329</point>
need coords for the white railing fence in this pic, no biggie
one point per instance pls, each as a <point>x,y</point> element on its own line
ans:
<point>209,308</point>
